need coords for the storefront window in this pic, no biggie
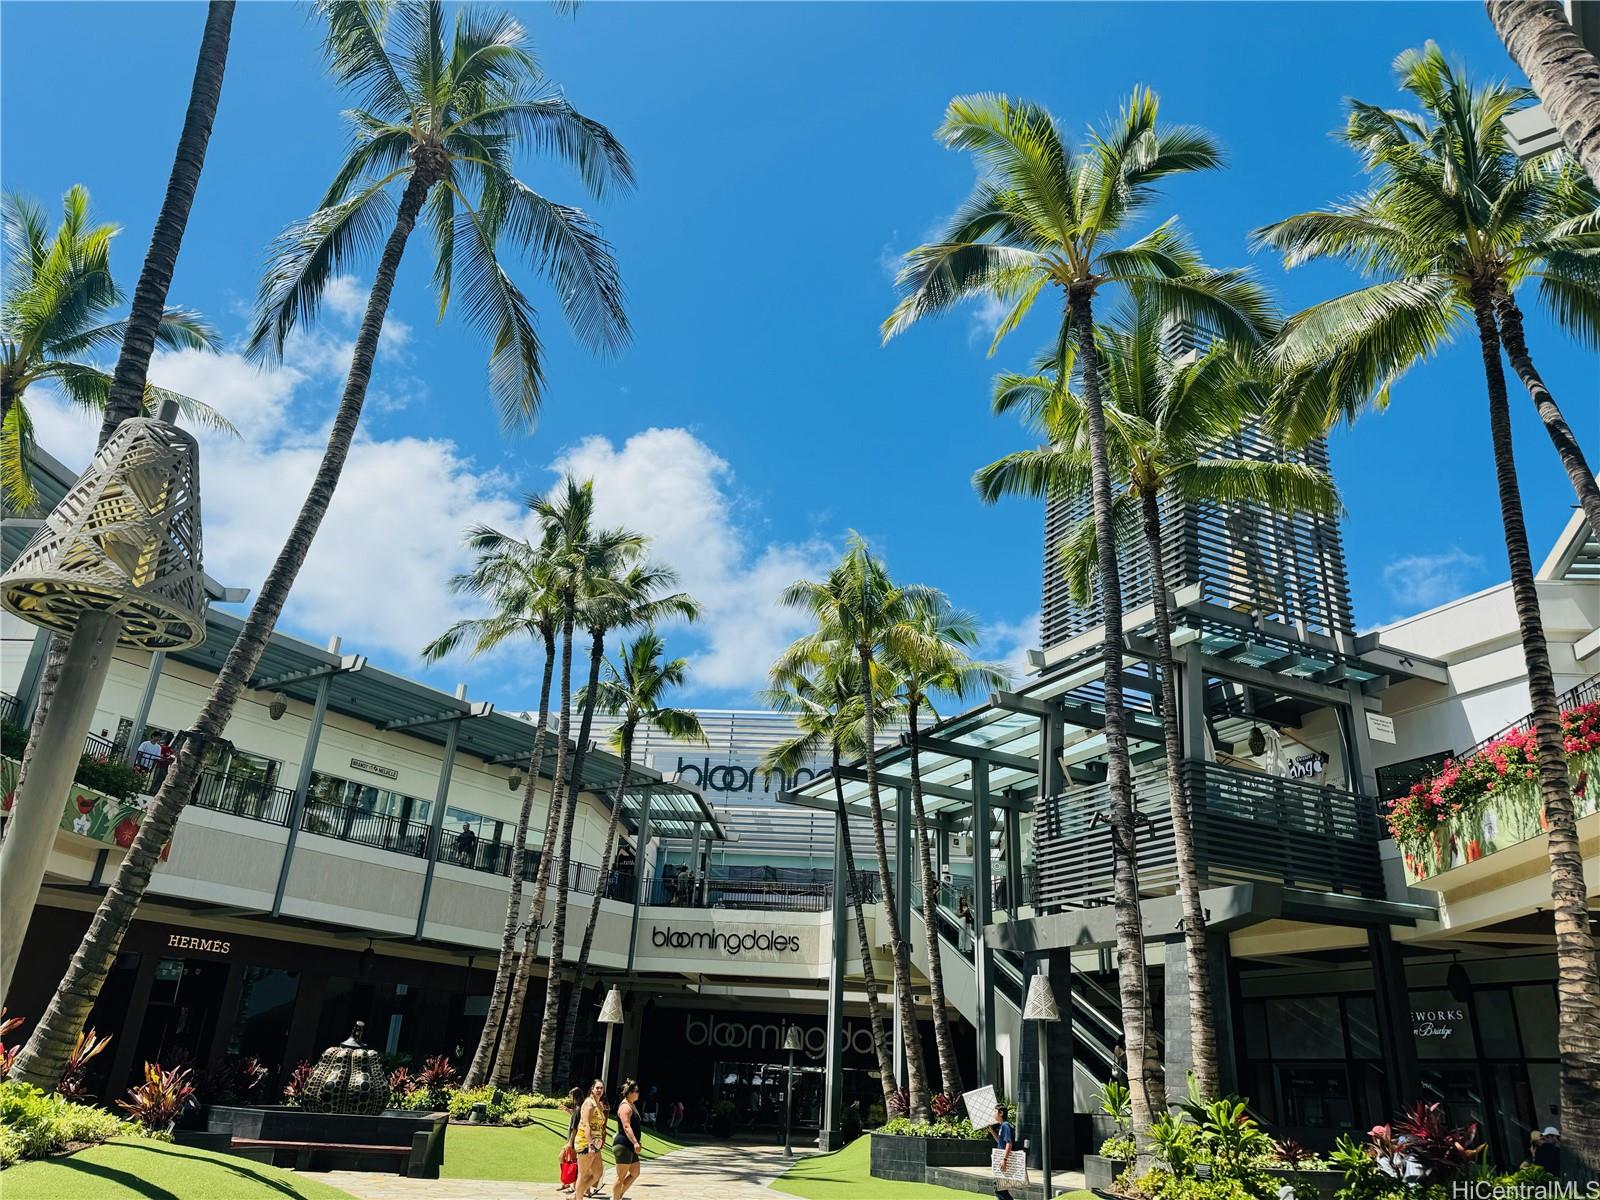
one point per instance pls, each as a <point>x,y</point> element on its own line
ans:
<point>1497,1026</point>
<point>1305,1027</point>
<point>266,1006</point>
<point>1361,1021</point>
<point>1441,1026</point>
<point>1536,1017</point>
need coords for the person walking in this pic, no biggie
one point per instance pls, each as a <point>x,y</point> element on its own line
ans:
<point>569,1178</point>
<point>625,1146</point>
<point>1547,1153</point>
<point>1005,1137</point>
<point>589,1139</point>
<point>964,915</point>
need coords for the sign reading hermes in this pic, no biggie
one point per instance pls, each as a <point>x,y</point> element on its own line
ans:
<point>742,942</point>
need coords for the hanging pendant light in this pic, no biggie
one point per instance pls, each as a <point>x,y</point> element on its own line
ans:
<point>1458,982</point>
<point>1258,741</point>
<point>278,705</point>
<point>515,781</point>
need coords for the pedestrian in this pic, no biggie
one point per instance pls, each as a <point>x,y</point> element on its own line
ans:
<point>1005,1137</point>
<point>466,844</point>
<point>675,1121</point>
<point>964,915</point>
<point>164,757</point>
<point>625,1146</point>
<point>589,1138</point>
<point>569,1156</point>
<point>1547,1153</point>
<point>651,1108</point>
<point>149,752</point>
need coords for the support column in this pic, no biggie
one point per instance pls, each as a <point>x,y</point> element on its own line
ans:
<point>902,918</point>
<point>1013,818</point>
<point>1394,1018</point>
<point>1192,703</point>
<point>640,879</point>
<point>28,683</point>
<point>141,715</point>
<point>126,1044</point>
<point>983,914</point>
<point>1363,766</point>
<point>31,831</point>
<point>694,864</point>
<point>441,799</point>
<point>833,1075</point>
<point>302,787</point>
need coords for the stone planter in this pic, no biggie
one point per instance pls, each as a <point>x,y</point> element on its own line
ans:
<point>405,1142</point>
<point>1099,1172</point>
<point>907,1159</point>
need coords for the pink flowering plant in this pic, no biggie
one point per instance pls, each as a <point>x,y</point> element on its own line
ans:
<point>1507,765</point>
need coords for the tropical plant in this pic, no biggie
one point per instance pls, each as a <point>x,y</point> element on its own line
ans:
<point>1042,216</point>
<point>234,1080</point>
<point>824,699</point>
<point>1453,223</point>
<point>861,613</point>
<point>1563,70</point>
<point>447,108</point>
<point>402,1082</point>
<point>932,658</point>
<point>1171,426</point>
<point>632,689</point>
<point>8,1054</point>
<point>510,576</point>
<point>34,1123</point>
<point>55,315</point>
<point>161,1099</point>
<point>295,1088</point>
<point>84,1049</point>
<point>436,1080</point>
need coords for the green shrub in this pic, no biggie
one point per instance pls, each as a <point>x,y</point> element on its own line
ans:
<point>496,1103</point>
<point>10,1146</point>
<point>13,740</point>
<point>116,779</point>
<point>1120,1148</point>
<point>950,1127</point>
<point>1162,1185</point>
<point>33,1124</point>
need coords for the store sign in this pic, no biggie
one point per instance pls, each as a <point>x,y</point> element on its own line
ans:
<point>1307,766</point>
<point>208,945</point>
<point>732,780</point>
<point>1380,728</point>
<point>726,943</point>
<point>1436,1022</point>
<point>361,764</point>
<point>714,1031</point>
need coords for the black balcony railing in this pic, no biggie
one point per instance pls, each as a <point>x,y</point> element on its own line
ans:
<point>254,799</point>
<point>8,707</point>
<point>1248,826</point>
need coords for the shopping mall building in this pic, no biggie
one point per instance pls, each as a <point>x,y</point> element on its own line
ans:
<point>347,859</point>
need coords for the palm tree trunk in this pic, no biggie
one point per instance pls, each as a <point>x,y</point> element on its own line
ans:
<point>505,966</point>
<point>544,1064</point>
<point>501,1075</point>
<point>1564,73</point>
<point>949,1066</point>
<point>41,1061</point>
<point>1144,1085</point>
<point>126,396</point>
<point>1202,1030</point>
<point>1567,448</point>
<point>916,1072</point>
<point>1578,982</point>
<point>569,1026</point>
<point>869,977</point>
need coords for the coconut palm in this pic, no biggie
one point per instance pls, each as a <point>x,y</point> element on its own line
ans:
<point>861,611</point>
<point>1453,224</point>
<point>1564,72</point>
<point>1170,421</point>
<point>632,689</point>
<point>55,314</point>
<point>510,576</point>
<point>931,658</point>
<point>447,107</point>
<point>571,552</point>
<point>1042,216</point>
<point>825,702</point>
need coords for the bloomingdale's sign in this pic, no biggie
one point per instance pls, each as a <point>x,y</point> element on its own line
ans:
<point>715,1031</point>
<point>727,943</point>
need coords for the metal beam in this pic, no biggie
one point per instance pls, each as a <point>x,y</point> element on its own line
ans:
<point>349,662</point>
<point>441,799</point>
<point>949,749</point>
<point>1267,681</point>
<point>438,718</point>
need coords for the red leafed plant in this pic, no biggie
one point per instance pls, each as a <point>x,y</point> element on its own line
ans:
<point>402,1082</point>
<point>295,1088</point>
<point>943,1105</point>
<point>899,1102</point>
<point>8,1054</point>
<point>437,1078</point>
<point>85,1048</point>
<point>159,1101</point>
<point>1421,1140</point>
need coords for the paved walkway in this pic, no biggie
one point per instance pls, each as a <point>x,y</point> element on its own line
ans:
<point>705,1172</point>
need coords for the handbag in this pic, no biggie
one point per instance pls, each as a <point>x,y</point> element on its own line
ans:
<point>1015,1171</point>
<point>569,1171</point>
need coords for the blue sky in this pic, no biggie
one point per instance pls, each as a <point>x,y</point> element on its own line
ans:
<point>785,158</point>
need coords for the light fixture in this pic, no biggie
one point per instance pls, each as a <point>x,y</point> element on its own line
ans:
<point>515,781</point>
<point>1258,741</point>
<point>1458,982</point>
<point>793,1039</point>
<point>277,706</point>
<point>1041,1002</point>
<point>1040,1007</point>
<point>610,1016</point>
<point>368,957</point>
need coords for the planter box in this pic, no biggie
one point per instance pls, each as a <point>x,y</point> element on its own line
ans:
<point>1099,1172</point>
<point>314,1138</point>
<point>907,1159</point>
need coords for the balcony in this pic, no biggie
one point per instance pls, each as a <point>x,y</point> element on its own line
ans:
<point>1248,827</point>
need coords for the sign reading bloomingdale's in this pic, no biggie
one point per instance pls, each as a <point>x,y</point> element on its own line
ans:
<point>747,943</point>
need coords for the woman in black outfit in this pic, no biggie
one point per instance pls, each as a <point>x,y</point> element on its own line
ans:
<point>625,1145</point>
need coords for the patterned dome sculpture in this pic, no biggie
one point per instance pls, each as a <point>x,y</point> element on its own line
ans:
<point>348,1078</point>
<point>124,540</point>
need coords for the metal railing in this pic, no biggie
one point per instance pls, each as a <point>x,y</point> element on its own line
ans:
<point>1587,692</point>
<point>8,707</point>
<point>351,823</point>
<point>1248,826</point>
<point>255,799</point>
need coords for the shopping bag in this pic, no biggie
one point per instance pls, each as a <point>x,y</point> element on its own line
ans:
<point>1015,1171</point>
<point>569,1171</point>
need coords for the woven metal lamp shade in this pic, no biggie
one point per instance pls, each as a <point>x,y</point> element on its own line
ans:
<point>124,540</point>
<point>1041,1002</point>
<point>611,1010</point>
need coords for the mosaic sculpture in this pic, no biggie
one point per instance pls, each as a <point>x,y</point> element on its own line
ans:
<point>348,1078</point>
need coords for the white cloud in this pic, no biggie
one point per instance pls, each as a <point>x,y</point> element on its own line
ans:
<point>668,484</point>
<point>1008,643</point>
<point>1421,581</point>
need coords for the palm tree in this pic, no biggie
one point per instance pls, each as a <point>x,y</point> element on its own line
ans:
<point>1564,72</point>
<point>445,108</point>
<point>55,312</point>
<point>1042,216</point>
<point>632,689</point>
<point>1450,226</point>
<point>1170,420</point>
<point>825,701</point>
<point>510,574</point>
<point>861,612</point>
<point>932,659</point>
<point>570,551</point>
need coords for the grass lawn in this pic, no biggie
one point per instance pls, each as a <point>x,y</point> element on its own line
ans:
<point>135,1169</point>
<point>531,1154</point>
<point>844,1175</point>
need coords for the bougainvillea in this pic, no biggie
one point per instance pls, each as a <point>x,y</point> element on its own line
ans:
<point>1508,762</point>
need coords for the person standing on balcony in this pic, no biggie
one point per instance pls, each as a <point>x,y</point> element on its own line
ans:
<point>964,915</point>
<point>149,753</point>
<point>466,844</point>
<point>164,758</point>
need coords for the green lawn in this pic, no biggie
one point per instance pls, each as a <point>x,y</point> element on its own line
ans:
<point>531,1154</point>
<point>135,1169</point>
<point>844,1175</point>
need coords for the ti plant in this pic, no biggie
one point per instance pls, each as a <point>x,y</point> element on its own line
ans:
<point>159,1101</point>
<point>87,1046</point>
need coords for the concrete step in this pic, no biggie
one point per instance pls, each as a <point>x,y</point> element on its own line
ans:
<point>979,1180</point>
